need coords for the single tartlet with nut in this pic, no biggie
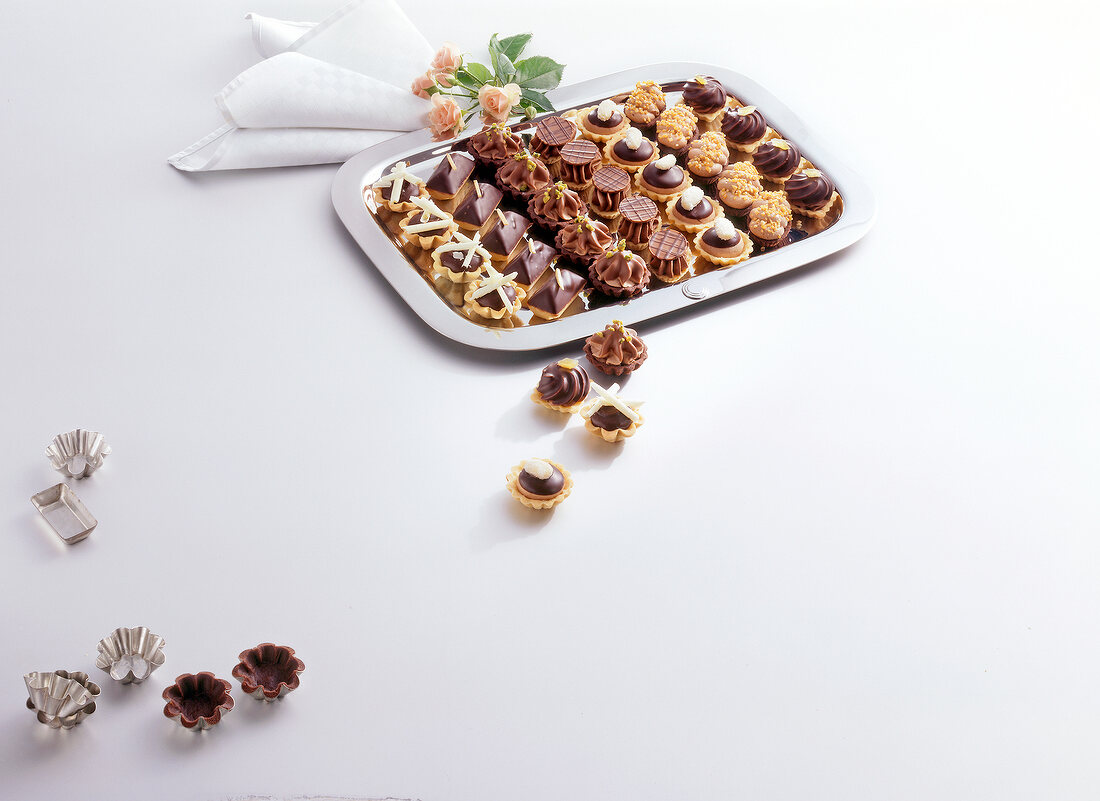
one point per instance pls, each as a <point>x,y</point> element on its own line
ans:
<point>616,350</point>
<point>770,220</point>
<point>563,386</point>
<point>722,244</point>
<point>197,700</point>
<point>539,483</point>
<point>692,211</point>
<point>268,671</point>
<point>610,417</point>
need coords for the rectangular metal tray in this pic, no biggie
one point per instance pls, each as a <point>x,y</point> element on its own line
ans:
<point>65,513</point>
<point>417,147</point>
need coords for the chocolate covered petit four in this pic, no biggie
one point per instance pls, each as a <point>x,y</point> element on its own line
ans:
<point>692,211</point>
<point>777,160</point>
<point>631,151</point>
<point>617,350</point>
<point>556,294</point>
<point>462,259</point>
<point>739,186</point>
<point>539,483</point>
<point>644,104</point>
<point>583,240</point>
<point>676,128</point>
<point>551,133</point>
<point>396,189</point>
<point>478,206</point>
<point>563,386</point>
<point>505,233</point>
<point>450,175</point>
<point>579,160</point>
<point>619,272</point>
<point>662,179</point>
<point>707,156</point>
<point>427,225</point>
<point>494,295</point>
<point>600,123</point>
<point>610,185</point>
<point>555,206</point>
<point>705,96</point>
<point>670,258</point>
<point>722,244</point>
<point>522,175</point>
<point>610,417</point>
<point>494,144</point>
<point>810,192</point>
<point>744,128</point>
<point>530,261</point>
<point>770,220</point>
<point>638,219</point>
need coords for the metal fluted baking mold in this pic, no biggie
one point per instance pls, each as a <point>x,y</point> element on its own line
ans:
<point>130,655</point>
<point>78,453</point>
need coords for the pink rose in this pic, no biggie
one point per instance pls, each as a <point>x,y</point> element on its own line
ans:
<point>445,118</point>
<point>421,84</point>
<point>496,101</point>
<point>444,63</point>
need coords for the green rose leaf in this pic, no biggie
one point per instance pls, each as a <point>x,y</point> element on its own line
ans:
<point>478,72</point>
<point>537,99</point>
<point>512,46</point>
<point>506,70</point>
<point>538,72</point>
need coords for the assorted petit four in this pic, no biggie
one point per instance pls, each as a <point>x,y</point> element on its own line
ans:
<point>504,234</point>
<point>676,128</point>
<point>539,483</point>
<point>670,258</point>
<point>531,260</point>
<point>777,160</point>
<point>705,96</point>
<point>551,133</point>
<point>578,162</point>
<point>494,144</point>
<point>583,240</point>
<point>396,189</point>
<point>494,295</point>
<point>617,350</point>
<point>645,103</point>
<point>722,244</point>
<point>770,219</point>
<point>450,175</point>
<point>427,225</point>
<point>563,386</point>
<point>555,206</point>
<point>638,219</point>
<point>619,272</point>
<point>602,122</point>
<point>707,156</point>
<point>556,293</point>
<point>523,175</point>
<point>610,417</point>
<point>744,127</point>
<point>739,186</point>
<point>462,259</point>
<point>478,207</point>
<point>810,192</point>
<point>610,185</point>
<point>692,211</point>
<point>662,179</point>
<point>631,150</point>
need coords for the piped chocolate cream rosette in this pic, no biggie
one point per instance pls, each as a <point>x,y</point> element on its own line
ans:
<point>739,186</point>
<point>555,207</point>
<point>670,258</point>
<point>631,151</point>
<point>551,134</point>
<point>494,296</point>
<point>722,244</point>
<point>523,175</point>
<point>610,417</point>
<point>705,96</point>
<point>645,104</point>
<point>583,240</point>
<point>610,185</point>
<point>396,189</point>
<point>539,483</point>
<point>494,144</point>
<point>563,386</point>
<point>617,350</point>
<point>619,272</point>
<point>810,192</point>
<point>744,127</point>
<point>427,225</point>
<point>676,128</point>
<point>638,219</point>
<point>770,220</point>
<point>777,160</point>
<point>692,211</point>
<point>600,123</point>
<point>707,156</point>
<point>662,179</point>
<point>463,259</point>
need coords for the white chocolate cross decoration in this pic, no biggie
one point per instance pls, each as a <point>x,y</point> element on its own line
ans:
<point>610,397</point>
<point>395,179</point>
<point>606,110</point>
<point>464,244</point>
<point>427,207</point>
<point>494,282</point>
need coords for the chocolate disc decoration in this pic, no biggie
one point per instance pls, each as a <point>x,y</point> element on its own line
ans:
<point>667,244</point>
<point>638,208</point>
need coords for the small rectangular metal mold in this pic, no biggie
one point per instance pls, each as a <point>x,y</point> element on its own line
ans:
<point>65,513</point>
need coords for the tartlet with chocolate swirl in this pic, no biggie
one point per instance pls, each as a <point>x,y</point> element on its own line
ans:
<point>744,127</point>
<point>777,160</point>
<point>583,240</point>
<point>563,386</point>
<point>523,175</point>
<point>494,144</point>
<point>705,96</point>
<point>810,192</point>
<point>619,272</point>
<point>555,206</point>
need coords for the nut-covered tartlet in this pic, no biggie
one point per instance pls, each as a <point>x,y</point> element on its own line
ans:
<point>777,160</point>
<point>739,186</point>
<point>676,128</point>
<point>494,296</point>
<point>770,220</point>
<point>478,206</point>
<point>556,294</point>
<point>670,258</point>
<point>579,160</point>
<point>427,225</point>
<point>555,206</point>
<point>583,240</point>
<point>539,483</point>
<point>530,261</point>
<point>563,386</point>
<point>644,104</point>
<point>810,192</point>
<point>662,179</point>
<point>523,175</point>
<point>504,234</point>
<point>638,219</point>
<point>617,350</point>
<point>722,244</point>
<point>707,156</point>
<point>462,259</point>
<point>692,211</point>
<point>744,128</point>
<point>630,150</point>
<point>600,123</point>
<point>450,175</point>
<point>619,272</point>
<point>609,186</point>
<point>494,144</point>
<point>549,136</point>
<point>706,97</point>
<point>396,189</point>
<point>610,417</point>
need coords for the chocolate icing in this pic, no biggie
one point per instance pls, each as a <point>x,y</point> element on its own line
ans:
<point>663,179</point>
<point>446,181</point>
<point>715,242</point>
<point>564,387</point>
<point>610,419</point>
<point>774,162</point>
<point>742,130</point>
<point>523,174</point>
<point>594,121</point>
<point>408,190</point>
<point>474,210</point>
<point>705,98</point>
<point>554,299</point>
<point>494,144</point>
<point>501,239</point>
<point>809,191</point>
<point>703,209</point>
<point>668,253</point>
<point>584,237</point>
<point>555,205</point>
<point>541,487</point>
<point>628,156</point>
<point>550,134</point>
<point>492,300</point>
<point>529,266</point>
<point>620,269</point>
<point>453,259</point>
<point>578,161</point>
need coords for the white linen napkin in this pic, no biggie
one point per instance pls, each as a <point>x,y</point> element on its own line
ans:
<point>323,93</point>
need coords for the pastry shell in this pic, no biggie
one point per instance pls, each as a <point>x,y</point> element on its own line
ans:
<point>512,482</point>
<point>381,198</point>
<point>537,398</point>
<point>581,121</point>
<point>692,226</point>
<point>461,277</point>
<point>728,261</point>
<point>428,240</point>
<point>618,434</point>
<point>657,195</point>
<point>819,213</point>
<point>609,153</point>
<point>472,306</point>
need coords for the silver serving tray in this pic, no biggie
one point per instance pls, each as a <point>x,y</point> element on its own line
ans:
<point>366,167</point>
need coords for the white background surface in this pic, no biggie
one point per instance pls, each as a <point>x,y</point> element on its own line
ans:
<point>853,552</point>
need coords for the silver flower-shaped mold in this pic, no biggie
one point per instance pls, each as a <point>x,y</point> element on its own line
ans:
<point>130,655</point>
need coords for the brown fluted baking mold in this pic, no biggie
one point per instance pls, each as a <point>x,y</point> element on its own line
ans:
<point>269,671</point>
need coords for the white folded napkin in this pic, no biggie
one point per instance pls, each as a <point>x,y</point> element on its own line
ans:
<point>323,93</point>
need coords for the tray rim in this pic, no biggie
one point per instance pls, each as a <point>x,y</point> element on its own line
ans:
<point>853,224</point>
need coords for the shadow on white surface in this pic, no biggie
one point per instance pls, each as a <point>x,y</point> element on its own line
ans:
<point>527,420</point>
<point>488,532</point>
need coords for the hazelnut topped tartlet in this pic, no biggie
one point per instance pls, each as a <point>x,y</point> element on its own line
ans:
<point>705,96</point>
<point>692,211</point>
<point>739,186</point>
<point>662,179</point>
<point>539,483</point>
<point>644,104</point>
<point>676,128</point>
<point>777,160</point>
<point>707,156</point>
<point>600,123</point>
<point>744,128</point>
<point>630,150</point>
<point>770,220</point>
<point>810,192</point>
<point>722,244</point>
